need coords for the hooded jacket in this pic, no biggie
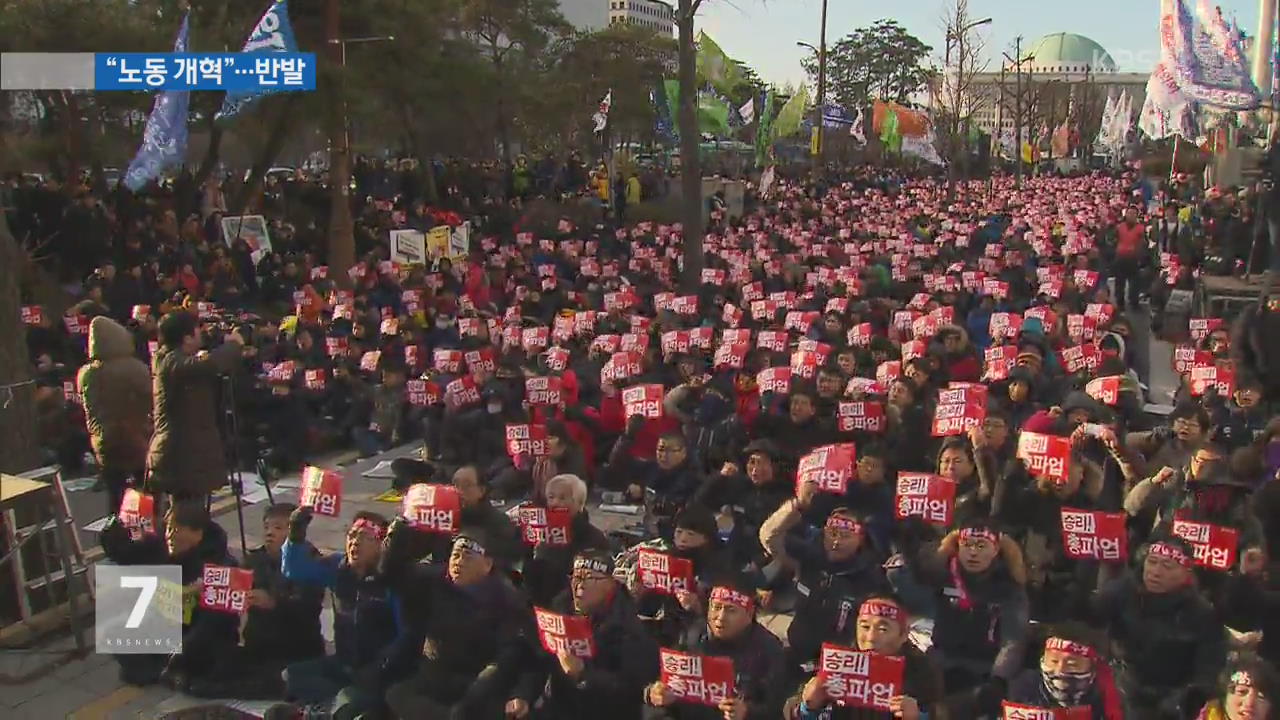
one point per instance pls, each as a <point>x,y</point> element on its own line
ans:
<point>759,670</point>
<point>116,388</point>
<point>921,681</point>
<point>830,594</point>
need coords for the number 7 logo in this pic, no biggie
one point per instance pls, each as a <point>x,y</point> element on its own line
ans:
<point>147,584</point>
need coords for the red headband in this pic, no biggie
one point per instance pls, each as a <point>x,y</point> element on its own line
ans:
<point>1170,552</point>
<point>978,533</point>
<point>1071,648</point>
<point>733,597</point>
<point>840,522</point>
<point>368,526</point>
<point>885,609</point>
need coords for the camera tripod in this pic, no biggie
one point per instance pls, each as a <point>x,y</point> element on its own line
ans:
<point>230,429</point>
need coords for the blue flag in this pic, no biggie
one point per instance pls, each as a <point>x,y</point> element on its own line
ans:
<point>164,141</point>
<point>272,34</point>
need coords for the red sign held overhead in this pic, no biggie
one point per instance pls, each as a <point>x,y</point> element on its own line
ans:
<point>1214,546</point>
<point>1221,377</point>
<point>731,356</point>
<point>1004,325</point>
<point>225,589</point>
<point>773,340</point>
<point>321,491</point>
<point>999,362</point>
<point>422,393</point>
<point>700,679</point>
<point>1186,357</point>
<point>433,508</point>
<point>858,678</point>
<point>1105,390</point>
<point>774,379</point>
<point>861,416</point>
<point>543,391</point>
<point>829,466</point>
<point>1094,535</point>
<point>1045,455</point>
<point>663,573</point>
<point>929,497</point>
<point>565,634</point>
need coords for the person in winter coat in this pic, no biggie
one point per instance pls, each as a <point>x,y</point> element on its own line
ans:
<point>833,572</point>
<point>1255,342</point>
<point>546,568</point>
<point>116,391</point>
<point>972,585</point>
<point>186,457</point>
<point>1169,640</point>
<point>190,540</point>
<point>1249,688</point>
<point>625,659</point>
<point>961,362</point>
<point>470,622</point>
<point>730,630</point>
<point>695,537</point>
<point>881,626</point>
<point>368,632</point>
<point>743,501</point>
<point>1071,674</point>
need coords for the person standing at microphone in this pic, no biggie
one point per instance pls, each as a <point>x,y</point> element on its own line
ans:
<point>186,458</point>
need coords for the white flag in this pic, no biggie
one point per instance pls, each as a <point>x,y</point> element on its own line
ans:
<point>856,129</point>
<point>601,117</point>
<point>748,112</point>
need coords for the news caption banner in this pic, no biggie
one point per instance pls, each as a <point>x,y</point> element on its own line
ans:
<point>232,72</point>
<point>140,609</point>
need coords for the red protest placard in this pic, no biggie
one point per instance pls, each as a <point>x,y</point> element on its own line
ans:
<point>335,346</point>
<point>859,678</point>
<point>138,513</point>
<point>1204,377</point>
<point>701,337</point>
<point>829,466</point>
<point>700,679</point>
<point>1080,357</point>
<point>543,526</point>
<point>1105,390</point>
<point>1214,546</point>
<point>620,367</point>
<point>999,362</point>
<point>225,589</point>
<point>805,364</point>
<point>1004,325</point>
<point>1199,328</point>
<point>929,497</point>
<point>369,361</point>
<point>314,379</point>
<point>663,573</point>
<point>525,439</point>
<point>731,356</point>
<point>433,508</point>
<point>773,340</point>
<point>774,379</point>
<point>565,633</point>
<point>321,491</point>
<point>76,324</point>
<point>32,315</point>
<point>643,400</point>
<point>480,359</point>
<point>888,371</point>
<point>956,418</point>
<point>861,416</point>
<point>634,342</point>
<point>557,358</point>
<point>1045,455</point>
<point>860,335</point>
<point>675,342</point>
<point>1081,328</point>
<point>535,339</point>
<point>1094,535</point>
<point>422,393</point>
<point>685,305</point>
<point>1186,357</point>
<point>448,361</point>
<point>543,390</point>
<point>800,321</point>
<point>1018,711</point>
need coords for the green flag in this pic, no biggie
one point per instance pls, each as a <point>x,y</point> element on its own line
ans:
<point>713,114</point>
<point>889,134</point>
<point>716,68</point>
<point>792,114</point>
<point>764,130</point>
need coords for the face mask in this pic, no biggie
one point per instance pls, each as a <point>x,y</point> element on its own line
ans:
<point>495,408</point>
<point>443,324</point>
<point>1068,689</point>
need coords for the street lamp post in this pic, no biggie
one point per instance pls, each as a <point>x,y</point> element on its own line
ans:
<point>821,50</point>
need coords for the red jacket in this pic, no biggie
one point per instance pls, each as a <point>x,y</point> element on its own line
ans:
<point>614,419</point>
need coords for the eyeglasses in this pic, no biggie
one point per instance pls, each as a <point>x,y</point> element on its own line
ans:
<point>582,579</point>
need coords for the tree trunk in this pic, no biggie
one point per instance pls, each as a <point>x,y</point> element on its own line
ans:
<point>270,151</point>
<point>19,444</point>
<point>425,169</point>
<point>690,162</point>
<point>212,154</point>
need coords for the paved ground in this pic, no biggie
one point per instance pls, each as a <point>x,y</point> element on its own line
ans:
<point>41,683</point>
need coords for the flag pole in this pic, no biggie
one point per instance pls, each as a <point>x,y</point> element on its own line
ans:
<point>1173,161</point>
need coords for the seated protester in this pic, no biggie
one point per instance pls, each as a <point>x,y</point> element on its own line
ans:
<point>473,486</point>
<point>1203,490</point>
<point>743,501</point>
<point>1031,510</point>
<point>869,494</point>
<point>467,617</point>
<point>624,662</point>
<point>882,626</point>
<point>529,476</point>
<point>1249,601</point>
<point>975,492</point>
<point>797,431</point>
<point>695,538</point>
<point>282,625</point>
<point>547,566</point>
<point>191,541</point>
<point>367,631</point>
<point>1020,392</point>
<point>386,410</point>
<point>730,630</point>
<point>1171,445</point>
<point>1249,688</point>
<point>1072,674</point>
<point>1242,417</point>
<point>834,572</point>
<point>672,475</point>
<point>972,586</point>
<point>909,420</point>
<point>1169,641</point>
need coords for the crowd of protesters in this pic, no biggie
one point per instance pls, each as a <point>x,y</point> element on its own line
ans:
<point>910,414</point>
